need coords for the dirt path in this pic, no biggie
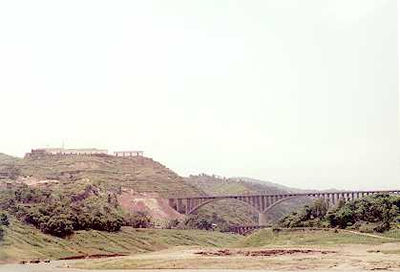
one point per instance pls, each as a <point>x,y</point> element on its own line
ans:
<point>369,235</point>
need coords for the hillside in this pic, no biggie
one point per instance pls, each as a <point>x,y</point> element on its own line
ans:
<point>262,184</point>
<point>236,212</point>
<point>7,159</point>
<point>100,191</point>
<point>60,194</point>
<point>138,173</point>
<point>23,242</point>
<point>7,167</point>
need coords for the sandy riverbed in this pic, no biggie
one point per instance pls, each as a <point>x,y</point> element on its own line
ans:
<point>383,257</point>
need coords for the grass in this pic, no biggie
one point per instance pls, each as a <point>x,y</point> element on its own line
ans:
<point>268,238</point>
<point>171,260</point>
<point>139,173</point>
<point>395,251</point>
<point>342,244</point>
<point>156,248</point>
<point>23,242</point>
<point>395,233</point>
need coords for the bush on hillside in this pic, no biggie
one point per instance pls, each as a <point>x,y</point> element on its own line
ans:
<point>61,220</point>
<point>172,224</point>
<point>309,216</point>
<point>371,213</point>
<point>54,218</point>
<point>58,225</point>
<point>204,222</point>
<point>138,220</point>
<point>57,214</point>
<point>96,213</point>
<point>4,222</point>
<point>382,209</point>
<point>10,171</point>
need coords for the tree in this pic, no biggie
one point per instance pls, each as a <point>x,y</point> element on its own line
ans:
<point>59,225</point>
<point>4,219</point>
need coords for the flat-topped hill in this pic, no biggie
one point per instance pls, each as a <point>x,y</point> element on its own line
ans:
<point>133,184</point>
<point>138,173</point>
<point>99,182</point>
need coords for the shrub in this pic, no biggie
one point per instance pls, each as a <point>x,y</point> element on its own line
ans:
<point>371,213</point>
<point>204,222</point>
<point>4,222</point>
<point>4,219</point>
<point>172,224</point>
<point>59,216</point>
<point>59,225</point>
<point>138,220</point>
<point>309,216</point>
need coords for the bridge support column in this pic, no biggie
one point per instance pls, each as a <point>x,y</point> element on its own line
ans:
<point>262,219</point>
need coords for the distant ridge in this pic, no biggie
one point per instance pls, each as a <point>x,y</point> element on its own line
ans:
<point>217,185</point>
<point>269,183</point>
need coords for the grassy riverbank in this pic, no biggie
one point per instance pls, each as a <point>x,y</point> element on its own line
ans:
<point>194,249</point>
<point>268,238</point>
<point>265,249</point>
<point>22,242</point>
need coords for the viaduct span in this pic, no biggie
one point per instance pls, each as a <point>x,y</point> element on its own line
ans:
<point>263,203</point>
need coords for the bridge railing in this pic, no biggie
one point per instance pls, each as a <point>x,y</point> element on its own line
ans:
<point>314,193</point>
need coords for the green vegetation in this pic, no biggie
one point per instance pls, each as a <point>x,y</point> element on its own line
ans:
<point>337,248</point>
<point>309,216</point>
<point>205,222</point>
<point>4,222</point>
<point>270,238</point>
<point>80,192</point>
<point>7,159</point>
<point>23,242</point>
<point>77,200</point>
<point>375,213</point>
<point>69,193</point>
<point>113,173</point>
<point>59,214</point>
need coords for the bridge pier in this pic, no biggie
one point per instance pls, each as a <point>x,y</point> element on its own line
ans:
<point>262,219</point>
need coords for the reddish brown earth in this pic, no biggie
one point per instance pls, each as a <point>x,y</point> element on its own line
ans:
<point>264,252</point>
<point>149,203</point>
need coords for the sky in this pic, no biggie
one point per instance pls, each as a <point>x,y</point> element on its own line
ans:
<point>299,92</point>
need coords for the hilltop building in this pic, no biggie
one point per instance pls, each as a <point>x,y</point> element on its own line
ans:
<point>80,151</point>
<point>62,151</point>
<point>128,153</point>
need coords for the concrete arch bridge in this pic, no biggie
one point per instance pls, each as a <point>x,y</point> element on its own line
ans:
<point>263,203</point>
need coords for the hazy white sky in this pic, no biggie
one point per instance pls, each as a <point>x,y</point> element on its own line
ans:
<point>299,92</point>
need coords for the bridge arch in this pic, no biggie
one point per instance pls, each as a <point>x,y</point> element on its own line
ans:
<point>267,209</point>
<point>273,205</point>
<point>195,208</point>
<point>263,203</point>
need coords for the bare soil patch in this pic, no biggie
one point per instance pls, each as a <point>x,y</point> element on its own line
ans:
<point>32,181</point>
<point>263,252</point>
<point>92,256</point>
<point>150,203</point>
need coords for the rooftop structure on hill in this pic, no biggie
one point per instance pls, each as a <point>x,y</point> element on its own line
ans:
<point>128,153</point>
<point>63,151</point>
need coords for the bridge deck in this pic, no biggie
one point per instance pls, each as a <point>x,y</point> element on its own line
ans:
<point>289,194</point>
